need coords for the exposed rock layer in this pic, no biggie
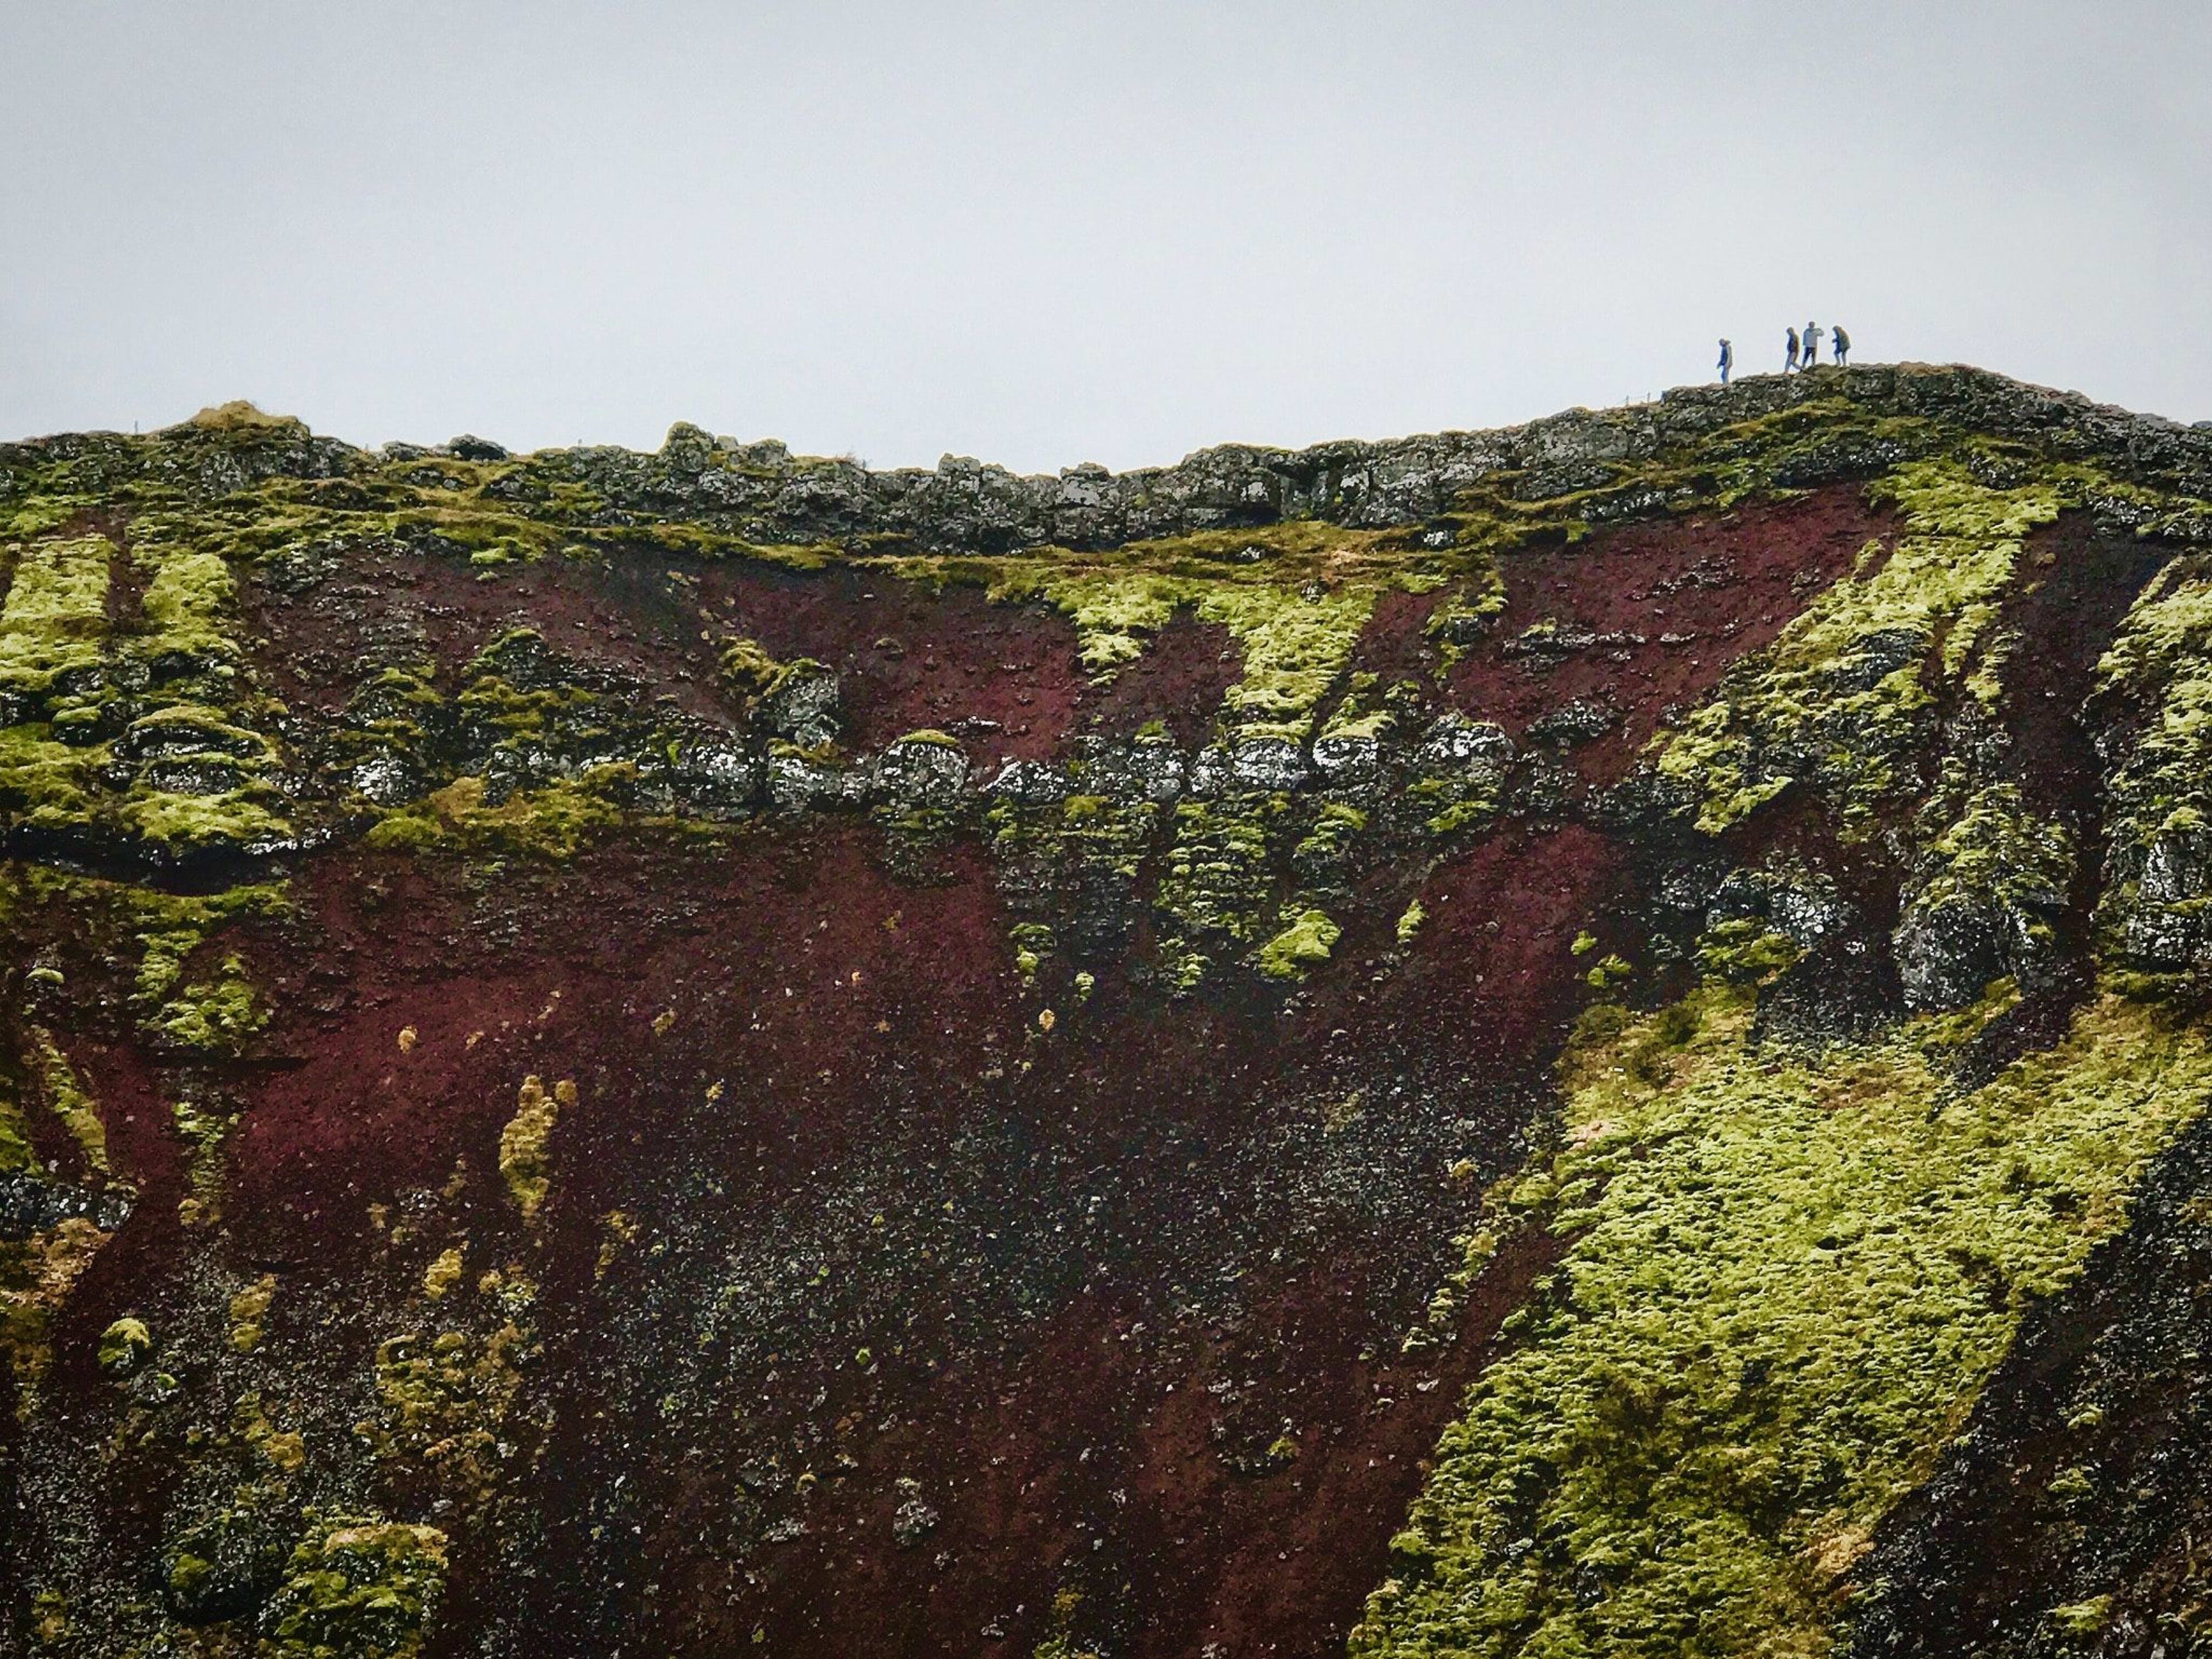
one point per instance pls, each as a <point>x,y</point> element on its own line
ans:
<point>1475,1044</point>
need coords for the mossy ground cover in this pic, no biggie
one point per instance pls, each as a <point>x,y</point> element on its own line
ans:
<point>145,732</point>
<point>1789,1273</point>
<point>1840,700</point>
<point>1293,596</point>
<point>2156,684</point>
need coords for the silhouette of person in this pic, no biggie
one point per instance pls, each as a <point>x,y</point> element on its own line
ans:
<point>1812,344</point>
<point>1728,360</point>
<point>1843,344</point>
<point>1793,352</point>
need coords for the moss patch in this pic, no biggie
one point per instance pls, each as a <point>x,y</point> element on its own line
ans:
<point>1842,698</point>
<point>1300,947</point>
<point>357,1587</point>
<point>2155,684</point>
<point>1786,1284</point>
<point>524,1159</point>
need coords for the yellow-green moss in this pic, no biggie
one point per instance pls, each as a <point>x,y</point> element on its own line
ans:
<point>15,1133</point>
<point>215,1017</point>
<point>68,1101</point>
<point>442,1274</point>
<point>1838,700</point>
<point>442,1401</point>
<point>555,822</point>
<point>55,614</point>
<point>1786,1281</point>
<point>1215,891</point>
<point>249,1308</point>
<point>2157,680</point>
<point>1294,596</point>
<point>524,1160</point>
<point>122,1344</point>
<point>1303,945</point>
<point>357,1587</point>
<point>186,603</point>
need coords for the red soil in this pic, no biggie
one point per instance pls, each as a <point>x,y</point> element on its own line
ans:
<point>1005,676</point>
<point>1673,603</point>
<point>1187,669</point>
<point>912,656</point>
<point>1080,1445</point>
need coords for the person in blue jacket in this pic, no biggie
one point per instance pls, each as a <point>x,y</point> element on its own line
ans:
<point>1792,363</point>
<point>1728,360</point>
<point>1842,342</point>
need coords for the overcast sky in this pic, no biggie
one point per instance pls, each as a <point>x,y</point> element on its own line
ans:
<point>1043,233</point>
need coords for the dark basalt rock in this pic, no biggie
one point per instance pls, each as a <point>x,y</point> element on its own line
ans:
<point>31,1203</point>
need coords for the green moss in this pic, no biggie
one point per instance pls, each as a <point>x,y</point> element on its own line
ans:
<point>2083,1619</point>
<point>1033,941</point>
<point>45,783</point>
<point>1303,945</point>
<point>749,670</point>
<point>59,657</point>
<point>1746,952</point>
<point>1294,596</point>
<point>1360,713</point>
<point>2155,683</point>
<point>245,817</point>
<point>443,1400</point>
<point>213,1016</point>
<point>55,618</point>
<point>523,1161</point>
<point>1471,812</point>
<point>1336,827</point>
<point>1216,887</point>
<point>187,603</point>
<point>68,1102</point>
<point>15,1134</point>
<point>357,1587</point>
<point>1085,851</point>
<point>1608,972</point>
<point>555,822</point>
<point>124,1344</point>
<point>1996,871</point>
<point>249,1313</point>
<point>1294,644</point>
<point>1842,698</point>
<point>1409,923</point>
<point>1786,1282</point>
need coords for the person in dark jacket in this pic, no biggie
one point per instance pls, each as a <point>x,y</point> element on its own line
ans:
<point>1843,341</point>
<point>1792,363</point>
<point>1728,360</point>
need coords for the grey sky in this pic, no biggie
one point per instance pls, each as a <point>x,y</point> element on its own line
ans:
<point>1045,234</point>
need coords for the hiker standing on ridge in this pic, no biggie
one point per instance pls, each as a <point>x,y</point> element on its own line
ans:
<point>1793,352</point>
<point>1812,344</point>
<point>1728,360</point>
<point>1843,344</point>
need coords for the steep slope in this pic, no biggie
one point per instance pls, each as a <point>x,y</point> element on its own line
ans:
<point>1542,1041</point>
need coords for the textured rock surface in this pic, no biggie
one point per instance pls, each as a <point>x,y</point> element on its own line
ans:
<point>1580,1039</point>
